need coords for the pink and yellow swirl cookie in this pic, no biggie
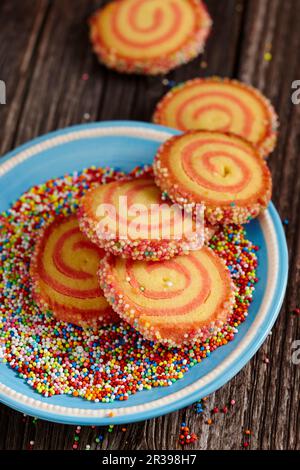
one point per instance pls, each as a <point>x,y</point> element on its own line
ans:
<point>149,36</point>
<point>220,104</point>
<point>222,171</point>
<point>129,219</point>
<point>175,301</point>
<point>64,274</point>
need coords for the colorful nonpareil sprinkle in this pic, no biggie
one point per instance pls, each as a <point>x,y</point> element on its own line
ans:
<point>115,362</point>
<point>246,440</point>
<point>199,407</point>
<point>267,56</point>
<point>31,444</point>
<point>186,436</point>
<point>76,438</point>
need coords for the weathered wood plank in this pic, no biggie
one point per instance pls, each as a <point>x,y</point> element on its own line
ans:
<point>274,398</point>
<point>217,60</point>
<point>57,95</point>
<point>21,25</point>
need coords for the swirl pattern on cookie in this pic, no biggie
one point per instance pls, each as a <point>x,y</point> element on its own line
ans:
<point>223,105</point>
<point>222,171</point>
<point>175,301</point>
<point>130,219</point>
<point>64,273</point>
<point>149,36</point>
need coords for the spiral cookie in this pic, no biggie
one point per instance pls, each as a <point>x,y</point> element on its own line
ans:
<point>220,104</point>
<point>149,36</point>
<point>63,270</point>
<point>174,301</point>
<point>222,171</point>
<point>130,219</point>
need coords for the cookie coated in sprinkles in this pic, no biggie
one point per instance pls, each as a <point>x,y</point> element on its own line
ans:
<point>149,37</point>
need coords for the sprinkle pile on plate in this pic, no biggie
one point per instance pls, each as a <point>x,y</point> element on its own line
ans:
<point>113,363</point>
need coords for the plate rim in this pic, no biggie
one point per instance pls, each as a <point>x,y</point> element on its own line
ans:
<point>274,306</point>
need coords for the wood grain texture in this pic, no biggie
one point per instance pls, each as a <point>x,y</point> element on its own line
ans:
<point>44,51</point>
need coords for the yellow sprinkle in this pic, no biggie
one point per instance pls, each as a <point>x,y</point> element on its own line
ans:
<point>267,56</point>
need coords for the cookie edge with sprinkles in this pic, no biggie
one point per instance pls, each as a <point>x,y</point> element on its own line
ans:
<point>225,214</point>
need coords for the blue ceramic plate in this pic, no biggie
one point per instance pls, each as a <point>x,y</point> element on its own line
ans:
<point>124,145</point>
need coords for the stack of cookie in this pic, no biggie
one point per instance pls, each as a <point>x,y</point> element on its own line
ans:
<point>102,265</point>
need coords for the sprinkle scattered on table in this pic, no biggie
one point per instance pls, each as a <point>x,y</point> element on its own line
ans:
<point>186,436</point>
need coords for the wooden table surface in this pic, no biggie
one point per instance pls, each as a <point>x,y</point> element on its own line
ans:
<point>44,52</point>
